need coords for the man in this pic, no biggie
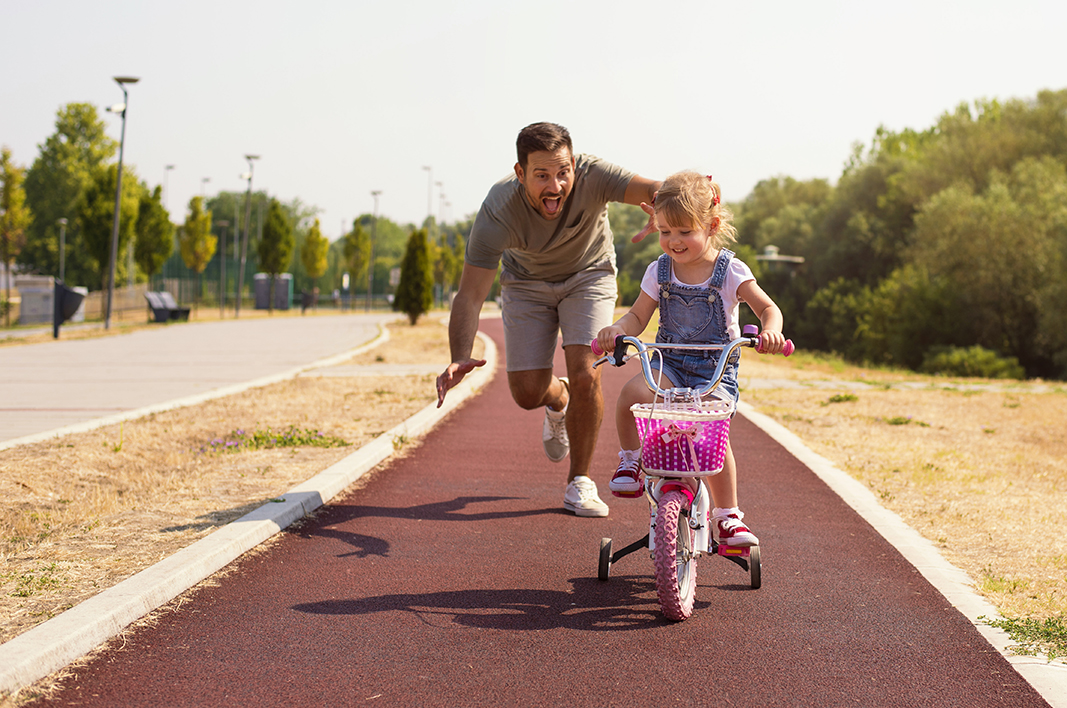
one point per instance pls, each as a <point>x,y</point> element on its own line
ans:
<point>549,224</point>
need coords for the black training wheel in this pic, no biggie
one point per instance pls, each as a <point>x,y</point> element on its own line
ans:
<point>605,559</point>
<point>754,569</point>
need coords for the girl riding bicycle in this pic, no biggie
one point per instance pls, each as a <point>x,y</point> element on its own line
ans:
<point>697,284</point>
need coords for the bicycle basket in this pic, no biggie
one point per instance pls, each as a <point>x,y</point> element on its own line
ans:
<point>683,439</point>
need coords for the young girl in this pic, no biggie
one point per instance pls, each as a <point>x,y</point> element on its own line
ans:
<point>697,285</point>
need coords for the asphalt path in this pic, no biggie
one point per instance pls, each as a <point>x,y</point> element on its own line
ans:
<point>452,576</point>
<point>65,383</point>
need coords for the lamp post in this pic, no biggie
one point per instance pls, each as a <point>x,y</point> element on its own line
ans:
<point>429,192</point>
<point>373,235</point>
<point>166,189</point>
<point>222,268</point>
<point>62,248</point>
<point>203,181</point>
<point>121,108</point>
<point>244,241</point>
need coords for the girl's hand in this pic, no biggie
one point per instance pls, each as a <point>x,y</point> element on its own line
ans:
<point>650,227</point>
<point>605,338</point>
<point>771,342</point>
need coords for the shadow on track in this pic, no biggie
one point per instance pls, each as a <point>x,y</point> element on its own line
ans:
<point>627,603</point>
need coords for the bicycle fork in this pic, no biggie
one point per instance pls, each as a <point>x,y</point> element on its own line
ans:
<point>696,515</point>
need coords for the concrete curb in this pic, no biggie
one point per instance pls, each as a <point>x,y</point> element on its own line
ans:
<point>56,643</point>
<point>1048,679</point>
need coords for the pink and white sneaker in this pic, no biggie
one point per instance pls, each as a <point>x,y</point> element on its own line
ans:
<point>732,532</point>
<point>629,479</point>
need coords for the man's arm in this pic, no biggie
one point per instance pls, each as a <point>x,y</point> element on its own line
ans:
<point>474,287</point>
<point>641,192</point>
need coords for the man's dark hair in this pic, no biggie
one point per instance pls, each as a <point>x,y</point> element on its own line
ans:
<point>542,137</point>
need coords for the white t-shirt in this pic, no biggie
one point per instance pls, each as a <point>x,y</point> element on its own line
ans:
<point>736,274</point>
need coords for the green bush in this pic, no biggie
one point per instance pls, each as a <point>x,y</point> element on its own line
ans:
<point>973,361</point>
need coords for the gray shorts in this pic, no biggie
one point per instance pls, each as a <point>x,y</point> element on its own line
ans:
<point>535,312</point>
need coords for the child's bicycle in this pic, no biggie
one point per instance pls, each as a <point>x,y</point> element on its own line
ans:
<point>683,439</point>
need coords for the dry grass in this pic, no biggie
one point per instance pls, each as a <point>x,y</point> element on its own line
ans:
<point>981,473</point>
<point>86,511</point>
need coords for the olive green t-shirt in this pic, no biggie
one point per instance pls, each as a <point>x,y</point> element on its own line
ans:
<point>534,248</point>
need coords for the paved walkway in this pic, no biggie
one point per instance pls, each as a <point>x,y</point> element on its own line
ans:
<point>48,386</point>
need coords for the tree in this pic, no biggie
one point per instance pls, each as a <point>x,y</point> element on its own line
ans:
<point>197,242</point>
<point>313,255</point>
<point>96,214</point>
<point>155,234</point>
<point>357,252</point>
<point>55,186</point>
<point>14,219</point>
<point>414,294</point>
<point>276,246</point>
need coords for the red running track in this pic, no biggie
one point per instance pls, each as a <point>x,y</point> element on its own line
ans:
<point>453,577</point>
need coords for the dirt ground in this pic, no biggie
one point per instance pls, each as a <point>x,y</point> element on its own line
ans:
<point>979,471</point>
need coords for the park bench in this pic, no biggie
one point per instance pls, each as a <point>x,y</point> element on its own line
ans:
<point>164,308</point>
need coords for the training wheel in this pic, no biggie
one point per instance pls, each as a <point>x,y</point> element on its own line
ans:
<point>605,559</point>
<point>754,570</point>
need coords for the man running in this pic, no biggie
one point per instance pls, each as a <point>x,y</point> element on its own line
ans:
<point>548,222</point>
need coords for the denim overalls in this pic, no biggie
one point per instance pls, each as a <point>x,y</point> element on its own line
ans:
<point>691,314</point>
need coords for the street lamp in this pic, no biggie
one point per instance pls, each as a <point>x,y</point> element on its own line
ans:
<point>244,241</point>
<point>429,190</point>
<point>222,268</point>
<point>373,235</point>
<point>121,108</point>
<point>166,192</point>
<point>203,181</point>
<point>62,248</point>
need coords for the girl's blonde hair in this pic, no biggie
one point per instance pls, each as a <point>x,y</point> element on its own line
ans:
<point>692,199</point>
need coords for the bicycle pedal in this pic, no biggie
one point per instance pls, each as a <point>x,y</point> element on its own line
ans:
<point>737,551</point>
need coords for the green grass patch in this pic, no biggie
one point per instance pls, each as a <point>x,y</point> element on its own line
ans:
<point>1034,637</point>
<point>905,420</point>
<point>41,580</point>
<point>841,398</point>
<point>266,438</point>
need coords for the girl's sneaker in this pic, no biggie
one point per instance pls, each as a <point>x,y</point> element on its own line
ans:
<point>629,480</point>
<point>732,532</point>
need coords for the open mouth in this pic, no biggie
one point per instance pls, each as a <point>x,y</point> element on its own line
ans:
<point>552,204</point>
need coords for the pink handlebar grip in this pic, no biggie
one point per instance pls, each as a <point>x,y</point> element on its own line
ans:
<point>596,348</point>
<point>787,348</point>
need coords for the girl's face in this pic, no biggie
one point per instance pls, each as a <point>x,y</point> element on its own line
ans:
<point>684,244</point>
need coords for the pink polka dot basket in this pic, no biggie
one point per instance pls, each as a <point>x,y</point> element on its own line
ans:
<point>683,439</point>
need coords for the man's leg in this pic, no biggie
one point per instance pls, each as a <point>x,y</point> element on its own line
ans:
<point>585,410</point>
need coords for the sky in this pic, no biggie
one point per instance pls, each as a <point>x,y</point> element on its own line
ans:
<point>342,98</point>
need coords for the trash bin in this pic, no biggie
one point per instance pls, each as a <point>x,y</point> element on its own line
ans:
<point>283,290</point>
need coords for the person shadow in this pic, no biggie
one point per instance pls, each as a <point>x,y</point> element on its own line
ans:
<point>627,603</point>
<point>325,521</point>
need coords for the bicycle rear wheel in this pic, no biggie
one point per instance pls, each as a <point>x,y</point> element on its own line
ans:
<point>675,560</point>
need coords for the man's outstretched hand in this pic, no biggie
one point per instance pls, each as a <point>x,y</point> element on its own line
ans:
<point>453,375</point>
<point>650,227</point>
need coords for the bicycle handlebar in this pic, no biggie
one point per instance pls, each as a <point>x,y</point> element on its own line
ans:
<point>750,338</point>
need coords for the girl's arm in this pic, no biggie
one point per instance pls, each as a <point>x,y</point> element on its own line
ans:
<point>632,323</point>
<point>770,316</point>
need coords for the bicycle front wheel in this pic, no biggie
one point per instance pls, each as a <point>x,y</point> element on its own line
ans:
<point>675,559</point>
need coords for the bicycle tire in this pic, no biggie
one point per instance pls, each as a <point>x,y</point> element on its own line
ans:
<point>675,560</point>
<point>604,570</point>
<point>755,568</point>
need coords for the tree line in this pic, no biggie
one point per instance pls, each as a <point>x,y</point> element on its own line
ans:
<point>942,249</point>
<point>65,201</point>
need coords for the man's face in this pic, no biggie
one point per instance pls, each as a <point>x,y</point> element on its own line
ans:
<point>548,180</point>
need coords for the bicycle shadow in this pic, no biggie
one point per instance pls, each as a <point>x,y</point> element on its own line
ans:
<point>365,546</point>
<point>625,604</point>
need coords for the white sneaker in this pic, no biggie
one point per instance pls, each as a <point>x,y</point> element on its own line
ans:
<point>582,499</point>
<point>554,432</point>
